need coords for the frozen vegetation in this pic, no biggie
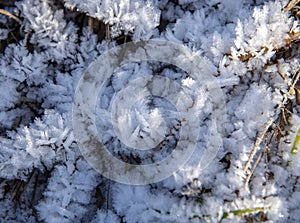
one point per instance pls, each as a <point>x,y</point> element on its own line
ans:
<point>251,47</point>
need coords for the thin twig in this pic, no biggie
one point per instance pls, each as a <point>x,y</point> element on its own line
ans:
<point>295,80</point>
<point>91,24</point>
<point>3,12</point>
<point>283,116</point>
<point>26,39</point>
<point>16,190</point>
<point>296,183</point>
<point>269,123</point>
<point>280,74</point>
<point>279,129</point>
<point>253,168</point>
<point>34,189</point>
<point>108,196</point>
<point>290,5</point>
<point>27,183</point>
<point>108,33</point>
<point>258,142</point>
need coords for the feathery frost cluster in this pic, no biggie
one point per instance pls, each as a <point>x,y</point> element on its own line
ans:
<point>246,44</point>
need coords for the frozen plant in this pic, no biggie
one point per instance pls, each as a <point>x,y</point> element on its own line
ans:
<point>250,47</point>
<point>39,146</point>
<point>123,16</point>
